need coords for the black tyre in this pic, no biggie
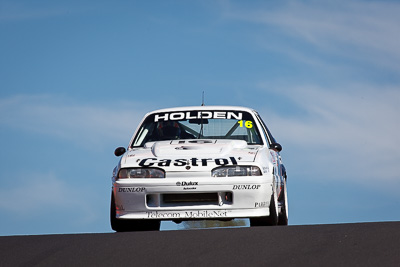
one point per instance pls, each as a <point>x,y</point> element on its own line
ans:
<point>283,218</point>
<point>119,225</point>
<point>272,219</point>
<point>116,225</point>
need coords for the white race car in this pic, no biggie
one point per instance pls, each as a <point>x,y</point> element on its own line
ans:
<point>196,163</point>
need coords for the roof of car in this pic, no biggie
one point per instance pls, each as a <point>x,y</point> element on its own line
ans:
<point>190,108</point>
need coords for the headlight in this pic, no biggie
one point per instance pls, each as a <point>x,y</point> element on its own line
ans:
<point>141,173</point>
<point>230,171</point>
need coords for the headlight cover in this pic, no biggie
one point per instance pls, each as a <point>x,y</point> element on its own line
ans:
<point>230,171</point>
<point>140,173</point>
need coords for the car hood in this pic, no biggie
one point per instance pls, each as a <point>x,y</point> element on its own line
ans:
<point>190,155</point>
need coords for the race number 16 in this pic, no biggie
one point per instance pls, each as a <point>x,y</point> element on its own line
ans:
<point>247,124</point>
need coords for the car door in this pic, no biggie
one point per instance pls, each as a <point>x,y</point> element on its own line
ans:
<point>274,149</point>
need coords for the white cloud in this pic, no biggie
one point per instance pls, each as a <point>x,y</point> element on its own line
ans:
<point>366,30</point>
<point>33,193</point>
<point>342,134</point>
<point>64,118</point>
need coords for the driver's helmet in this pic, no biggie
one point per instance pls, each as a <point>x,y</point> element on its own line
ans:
<point>168,130</point>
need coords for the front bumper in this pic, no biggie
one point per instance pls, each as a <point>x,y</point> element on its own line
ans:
<point>194,198</point>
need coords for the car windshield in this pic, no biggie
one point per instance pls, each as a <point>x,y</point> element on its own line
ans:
<point>210,124</point>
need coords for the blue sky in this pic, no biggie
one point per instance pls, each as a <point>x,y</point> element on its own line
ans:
<point>77,76</point>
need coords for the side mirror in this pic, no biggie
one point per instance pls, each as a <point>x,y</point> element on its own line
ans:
<point>276,146</point>
<point>119,151</point>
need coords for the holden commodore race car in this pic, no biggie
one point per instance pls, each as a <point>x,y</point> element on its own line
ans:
<point>196,163</point>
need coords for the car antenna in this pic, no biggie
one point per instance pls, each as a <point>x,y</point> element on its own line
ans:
<point>201,119</point>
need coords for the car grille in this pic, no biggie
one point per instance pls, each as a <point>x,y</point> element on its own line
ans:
<point>185,198</point>
<point>188,199</point>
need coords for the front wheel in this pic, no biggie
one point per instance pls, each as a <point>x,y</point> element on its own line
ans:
<point>272,219</point>
<point>283,218</point>
<point>119,225</point>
